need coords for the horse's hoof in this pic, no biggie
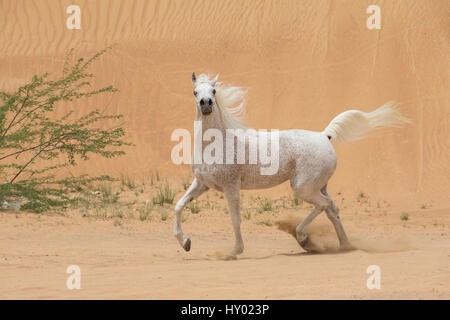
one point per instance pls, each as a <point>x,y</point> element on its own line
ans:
<point>304,242</point>
<point>231,257</point>
<point>187,245</point>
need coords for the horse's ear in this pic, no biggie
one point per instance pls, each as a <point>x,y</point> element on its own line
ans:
<point>194,78</point>
<point>213,82</point>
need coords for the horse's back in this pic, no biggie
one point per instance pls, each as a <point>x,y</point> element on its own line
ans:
<point>308,145</point>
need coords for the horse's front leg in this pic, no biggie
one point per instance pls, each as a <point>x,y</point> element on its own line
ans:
<point>233,198</point>
<point>195,190</point>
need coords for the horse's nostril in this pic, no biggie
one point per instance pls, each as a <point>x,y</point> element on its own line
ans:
<point>210,102</point>
<point>202,102</point>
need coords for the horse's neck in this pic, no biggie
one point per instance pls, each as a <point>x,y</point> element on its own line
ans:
<point>213,121</point>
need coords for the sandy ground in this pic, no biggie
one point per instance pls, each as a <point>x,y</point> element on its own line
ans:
<point>124,257</point>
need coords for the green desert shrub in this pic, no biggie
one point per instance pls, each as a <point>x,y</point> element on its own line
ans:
<point>40,134</point>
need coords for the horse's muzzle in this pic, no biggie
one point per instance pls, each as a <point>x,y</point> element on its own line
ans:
<point>206,110</point>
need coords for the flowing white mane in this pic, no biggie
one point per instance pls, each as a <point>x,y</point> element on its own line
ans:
<point>231,102</point>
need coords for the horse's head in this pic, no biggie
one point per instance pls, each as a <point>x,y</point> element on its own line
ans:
<point>205,94</point>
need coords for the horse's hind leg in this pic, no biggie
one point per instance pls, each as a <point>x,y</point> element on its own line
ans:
<point>302,236</point>
<point>333,214</point>
<point>195,190</point>
<point>321,202</point>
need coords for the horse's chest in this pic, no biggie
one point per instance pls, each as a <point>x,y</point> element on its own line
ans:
<point>215,176</point>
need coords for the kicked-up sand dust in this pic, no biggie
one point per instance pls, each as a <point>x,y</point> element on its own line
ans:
<point>323,238</point>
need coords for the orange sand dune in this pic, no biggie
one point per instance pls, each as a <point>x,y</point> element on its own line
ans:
<point>304,62</point>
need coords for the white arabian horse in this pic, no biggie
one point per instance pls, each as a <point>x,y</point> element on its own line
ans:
<point>306,158</point>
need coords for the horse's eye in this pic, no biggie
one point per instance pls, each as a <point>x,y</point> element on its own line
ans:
<point>195,93</point>
<point>214,91</point>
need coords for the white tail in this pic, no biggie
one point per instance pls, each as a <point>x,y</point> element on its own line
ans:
<point>354,124</point>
